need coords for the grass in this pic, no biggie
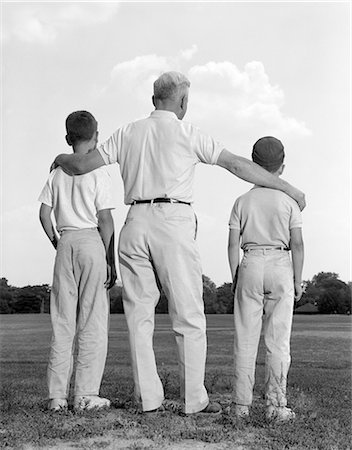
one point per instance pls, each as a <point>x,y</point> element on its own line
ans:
<point>319,391</point>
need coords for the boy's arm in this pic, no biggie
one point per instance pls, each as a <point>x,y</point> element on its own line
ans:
<point>297,250</point>
<point>234,255</point>
<point>253,173</point>
<point>45,220</point>
<point>75,164</point>
<point>107,233</point>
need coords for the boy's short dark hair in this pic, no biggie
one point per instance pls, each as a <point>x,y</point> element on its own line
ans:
<point>80,126</point>
<point>269,153</point>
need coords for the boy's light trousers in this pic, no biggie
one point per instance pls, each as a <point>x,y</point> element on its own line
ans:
<point>265,284</point>
<point>78,306</point>
<point>157,244</point>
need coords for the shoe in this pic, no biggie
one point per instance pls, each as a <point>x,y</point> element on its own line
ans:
<point>279,413</point>
<point>242,411</point>
<point>160,409</point>
<point>57,404</point>
<point>90,402</point>
<point>211,408</point>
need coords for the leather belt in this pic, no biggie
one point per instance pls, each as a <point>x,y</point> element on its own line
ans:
<point>267,248</point>
<point>159,200</point>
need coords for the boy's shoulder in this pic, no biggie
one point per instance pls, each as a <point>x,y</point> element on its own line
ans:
<point>101,173</point>
<point>262,194</point>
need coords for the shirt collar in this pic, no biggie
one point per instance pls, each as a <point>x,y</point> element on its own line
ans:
<point>163,113</point>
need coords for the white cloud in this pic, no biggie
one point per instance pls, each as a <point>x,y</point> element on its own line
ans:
<point>42,22</point>
<point>233,105</point>
<point>189,52</point>
<point>243,103</point>
<point>138,73</point>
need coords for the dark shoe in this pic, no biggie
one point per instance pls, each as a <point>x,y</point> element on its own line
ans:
<point>211,408</point>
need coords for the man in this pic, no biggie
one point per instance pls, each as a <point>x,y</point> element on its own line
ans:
<point>157,158</point>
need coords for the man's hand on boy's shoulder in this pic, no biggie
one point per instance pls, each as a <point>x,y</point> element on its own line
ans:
<point>55,165</point>
<point>300,198</point>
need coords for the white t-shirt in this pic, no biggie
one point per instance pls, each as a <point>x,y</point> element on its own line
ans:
<point>265,217</point>
<point>77,199</point>
<point>158,155</point>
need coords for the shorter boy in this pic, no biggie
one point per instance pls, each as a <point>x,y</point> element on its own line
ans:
<point>268,223</point>
<point>84,270</point>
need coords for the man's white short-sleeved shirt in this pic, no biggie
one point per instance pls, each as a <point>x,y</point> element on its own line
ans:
<point>77,199</point>
<point>265,216</point>
<point>157,156</point>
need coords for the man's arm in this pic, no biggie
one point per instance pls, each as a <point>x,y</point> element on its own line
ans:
<point>234,255</point>
<point>297,251</point>
<point>253,173</point>
<point>75,164</point>
<point>45,220</point>
<point>107,233</point>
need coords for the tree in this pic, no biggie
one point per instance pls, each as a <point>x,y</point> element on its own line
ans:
<point>225,299</point>
<point>328,293</point>
<point>209,295</point>
<point>7,297</point>
<point>32,299</point>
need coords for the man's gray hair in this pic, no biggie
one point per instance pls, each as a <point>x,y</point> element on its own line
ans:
<point>170,85</point>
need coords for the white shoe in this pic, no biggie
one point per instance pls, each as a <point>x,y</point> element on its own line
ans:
<point>57,404</point>
<point>90,402</point>
<point>279,413</point>
<point>242,411</point>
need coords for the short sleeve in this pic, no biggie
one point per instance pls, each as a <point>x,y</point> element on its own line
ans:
<point>207,149</point>
<point>235,222</point>
<point>46,195</point>
<point>296,216</point>
<point>103,198</point>
<point>110,150</point>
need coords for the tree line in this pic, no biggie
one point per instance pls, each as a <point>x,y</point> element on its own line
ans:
<point>325,291</point>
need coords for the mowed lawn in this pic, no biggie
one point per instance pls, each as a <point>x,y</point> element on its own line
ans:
<point>319,390</point>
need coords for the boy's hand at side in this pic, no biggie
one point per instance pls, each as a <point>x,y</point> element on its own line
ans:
<point>106,230</point>
<point>233,250</point>
<point>298,292</point>
<point>234,282</point>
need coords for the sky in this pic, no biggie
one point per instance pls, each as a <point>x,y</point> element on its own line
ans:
<point>256,69</point>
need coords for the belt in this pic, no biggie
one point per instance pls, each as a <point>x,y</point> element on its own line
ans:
<point>159,200</point>
<point>267,248</point>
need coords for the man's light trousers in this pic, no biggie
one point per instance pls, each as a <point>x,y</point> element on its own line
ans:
<point>78,307</point>
<point>157,245</point>
<point>265,284</point>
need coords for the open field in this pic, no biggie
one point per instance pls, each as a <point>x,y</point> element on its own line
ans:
<point>319,391</point>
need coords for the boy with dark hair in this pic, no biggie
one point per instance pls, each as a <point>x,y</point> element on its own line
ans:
<point>84,270</point>
<point>268,224</point>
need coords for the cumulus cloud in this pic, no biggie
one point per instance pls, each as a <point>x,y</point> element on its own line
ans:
<point>244,103</point>
<point>136,74</point>
<point>42,22</point>
<point>227,102</point>
<point>188,53</point>
<point>140,72</point>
